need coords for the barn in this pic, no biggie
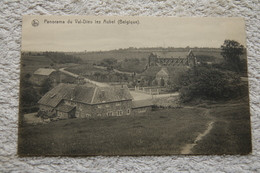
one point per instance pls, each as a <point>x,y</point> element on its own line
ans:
<point>41,74</point>
<point>81,101</point>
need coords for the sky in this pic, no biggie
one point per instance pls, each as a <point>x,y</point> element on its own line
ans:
<point>149,32</point>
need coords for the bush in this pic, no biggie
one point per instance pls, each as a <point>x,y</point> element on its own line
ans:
<point>212,84</point>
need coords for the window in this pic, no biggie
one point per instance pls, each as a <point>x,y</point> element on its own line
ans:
<point>119,112</point>
<point>107,105</point>
<point>99,115</point>
<point>99,106</point>
<point>128,111</point>
<point>110,114</point>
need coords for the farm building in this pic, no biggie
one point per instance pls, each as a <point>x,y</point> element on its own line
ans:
<point>55,77</point>
<point>41,74</point>
<point>162,77</point>
<point>80,101</point>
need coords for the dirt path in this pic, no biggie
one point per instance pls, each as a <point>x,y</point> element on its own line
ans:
<point>115,70</point>
<point>86,79</point>
<point>187,149</point>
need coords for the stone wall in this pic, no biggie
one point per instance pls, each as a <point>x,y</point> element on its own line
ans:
<point>112,109</point>
<point>137,111</point>
<point>104,109</point>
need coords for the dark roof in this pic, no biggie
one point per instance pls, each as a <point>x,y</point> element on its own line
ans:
<point>111,94</point>
<point>164,71</point>
<point>85,93</point>
<point>141,103</point>
<point>171,70</point>
<point>44,71</point>
<point>151,71</point>
<point>65,108</point>
<point>54,96</point>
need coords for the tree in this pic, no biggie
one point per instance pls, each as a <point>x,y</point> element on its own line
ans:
<point>231,51</point>
<point>154,82</point>
<point>212,84</point>
<point>46,86</point>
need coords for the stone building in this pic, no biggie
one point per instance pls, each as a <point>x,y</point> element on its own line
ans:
<point>81,101</point>
<point>41,74</point>
<point>55,77</point>
<point>162,77</point>
<point>165,67</point>
<point>172,58</point>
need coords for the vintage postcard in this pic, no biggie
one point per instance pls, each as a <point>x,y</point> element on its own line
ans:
<point>133,86</point>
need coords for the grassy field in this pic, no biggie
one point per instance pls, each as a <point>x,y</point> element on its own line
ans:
<point>162,132</point>
<point>231,133</point>
<point>86,69</point>
<point>30,63</point>
<point>157,133</point>
<point>140,53</point>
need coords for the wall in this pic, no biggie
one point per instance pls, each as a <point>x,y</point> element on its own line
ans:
<point>45,108</point>
<point>85,110</point>
<point>38,79</point>
<point>138,111</point>
<point>62,115</point>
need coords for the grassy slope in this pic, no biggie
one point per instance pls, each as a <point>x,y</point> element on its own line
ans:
<point>86,69</point>
<point>141,53</point>
<point>157,133</point>
<point>231,133</point>
<point>29,63</point>
<point>163,132</point>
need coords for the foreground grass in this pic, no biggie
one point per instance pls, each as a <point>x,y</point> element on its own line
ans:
<point>159,132</point>
<point>231,133</point>
<point>162,132</point>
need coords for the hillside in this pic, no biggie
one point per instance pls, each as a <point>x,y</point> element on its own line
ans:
<point>30,62</point>
<point>141,53</point>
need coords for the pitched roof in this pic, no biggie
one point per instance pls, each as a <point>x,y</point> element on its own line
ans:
<point>65,108</point>
<point>163,72</point>
<point>85,93</point>
<point>111,94</point>
<point>54,96</point>
<point>171,70</point>
<point>44,71</point>
<point>141,103</point>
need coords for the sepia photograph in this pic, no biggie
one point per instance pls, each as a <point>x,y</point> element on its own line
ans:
<point>133,86</point>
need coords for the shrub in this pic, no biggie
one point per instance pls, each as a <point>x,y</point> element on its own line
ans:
<point>211,83</point>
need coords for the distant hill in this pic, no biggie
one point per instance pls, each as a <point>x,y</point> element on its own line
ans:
<point>31,61</point>
<point>209,54</point>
